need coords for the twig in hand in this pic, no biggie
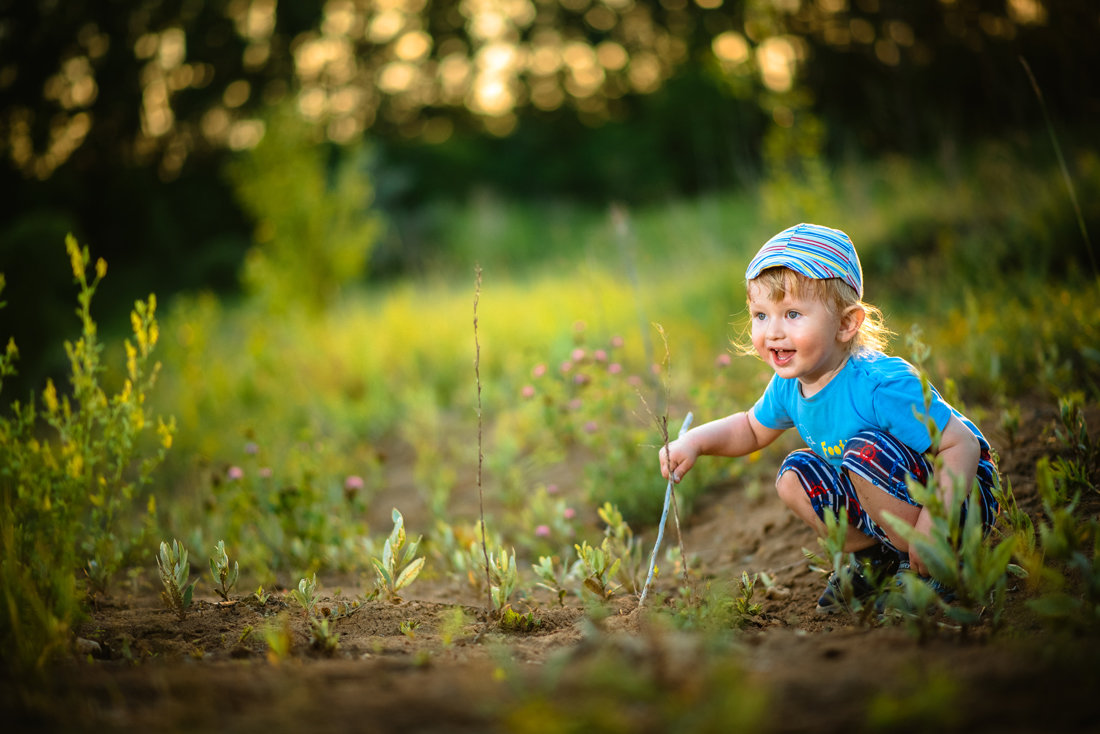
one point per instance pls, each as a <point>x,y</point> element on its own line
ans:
<point>480,455</point>
<point>664,514</point>
<point>670,492</point>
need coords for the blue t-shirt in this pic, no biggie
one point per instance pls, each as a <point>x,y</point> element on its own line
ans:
<point>871,391</point>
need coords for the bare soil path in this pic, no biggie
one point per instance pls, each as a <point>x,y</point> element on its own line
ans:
<point>790,670</point>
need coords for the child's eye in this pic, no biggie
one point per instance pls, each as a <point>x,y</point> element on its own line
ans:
<point>793,314</point>
<point>759,316</point>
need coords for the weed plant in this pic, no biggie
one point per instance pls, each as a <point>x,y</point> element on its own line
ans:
<point>306,594</point>
<point>175,574</point>
<point>715,610</point>
<point>74,475</point>
<point>1068,579</point>
<point>842,567</point>
<point>399,565</point>
<point>624,547</point>
<point>551,577</point>
<point>503,577</point>
<point>598,569</point>
<point>224,576</point>
<point>956,550</point>
<point>294,516</point>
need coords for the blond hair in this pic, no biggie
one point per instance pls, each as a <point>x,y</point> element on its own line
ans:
<point>838,296</point>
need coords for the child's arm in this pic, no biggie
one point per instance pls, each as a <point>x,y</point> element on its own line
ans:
<point>959,453</point>
<point>734,435</point>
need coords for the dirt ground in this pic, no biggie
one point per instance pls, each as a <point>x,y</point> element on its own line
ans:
<point>140,668</point>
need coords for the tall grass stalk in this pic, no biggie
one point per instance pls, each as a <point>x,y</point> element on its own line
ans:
<point>480,453</point>
<point>1062,165</point>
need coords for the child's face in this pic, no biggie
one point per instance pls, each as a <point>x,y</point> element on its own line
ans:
<point>799,337</point>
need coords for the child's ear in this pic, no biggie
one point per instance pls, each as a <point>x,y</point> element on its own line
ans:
<point>850,322</point>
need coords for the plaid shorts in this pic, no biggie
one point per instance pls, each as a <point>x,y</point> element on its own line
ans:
<point>887,464</point>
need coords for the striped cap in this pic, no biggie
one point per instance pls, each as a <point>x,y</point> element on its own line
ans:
<point>812,250</point>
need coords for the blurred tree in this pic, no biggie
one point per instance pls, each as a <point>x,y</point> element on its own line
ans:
<point>314,230</point>
<point>117,116</point>
<point>110,83</point>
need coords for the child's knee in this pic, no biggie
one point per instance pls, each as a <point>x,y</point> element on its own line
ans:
<point>788,485</point>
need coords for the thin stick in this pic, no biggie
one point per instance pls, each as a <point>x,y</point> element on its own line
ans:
<point>664,434</point>
<point>480,455</point>
<point>664,514</point>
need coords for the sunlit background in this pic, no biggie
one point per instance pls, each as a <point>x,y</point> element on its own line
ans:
<point>135,127</point>
<point>196,74</point>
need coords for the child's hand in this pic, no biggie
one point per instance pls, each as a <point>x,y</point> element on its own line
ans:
<point>679,459</point>
<point>924,526</point>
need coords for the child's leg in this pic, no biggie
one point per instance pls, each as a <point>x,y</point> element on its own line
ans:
<point>879,467</point>
<point>808,485</point>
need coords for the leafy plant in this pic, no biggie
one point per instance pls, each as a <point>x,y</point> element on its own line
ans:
<point>175,570</point>
<point>599,567</point>
<point>959,556</point>
<point>408,627</point>
<point>550,579</point>
<point>399,565</point>
<point>1070,577</point>
<point>744,605</point>
<point>716,609</point>
<point>225,578</point>
<point>72,472</point>
<point>513,621</point>
<point>503,577</point>
<point>306,594</point>
<point>958,553</point>
<point>261,596</point>
<point>843,569</point>
<point>1073,433</point>
<point>623,545</point>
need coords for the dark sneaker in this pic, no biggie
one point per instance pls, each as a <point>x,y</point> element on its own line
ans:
<point>881,561</point>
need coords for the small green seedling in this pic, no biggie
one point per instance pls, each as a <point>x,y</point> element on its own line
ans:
<point>398,566</point>
<point>623,545</point>
<point>549,578</point>
<point>306,594</point>
<point>599,567</point>
<point>408,628</point>
<point>744,605</point>
<point>503,577</point>
<point>174,573</point>
<point>513,621</point>
<point>225,578</point>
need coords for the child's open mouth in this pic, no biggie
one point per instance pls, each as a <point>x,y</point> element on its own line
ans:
<point>782,356</point>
